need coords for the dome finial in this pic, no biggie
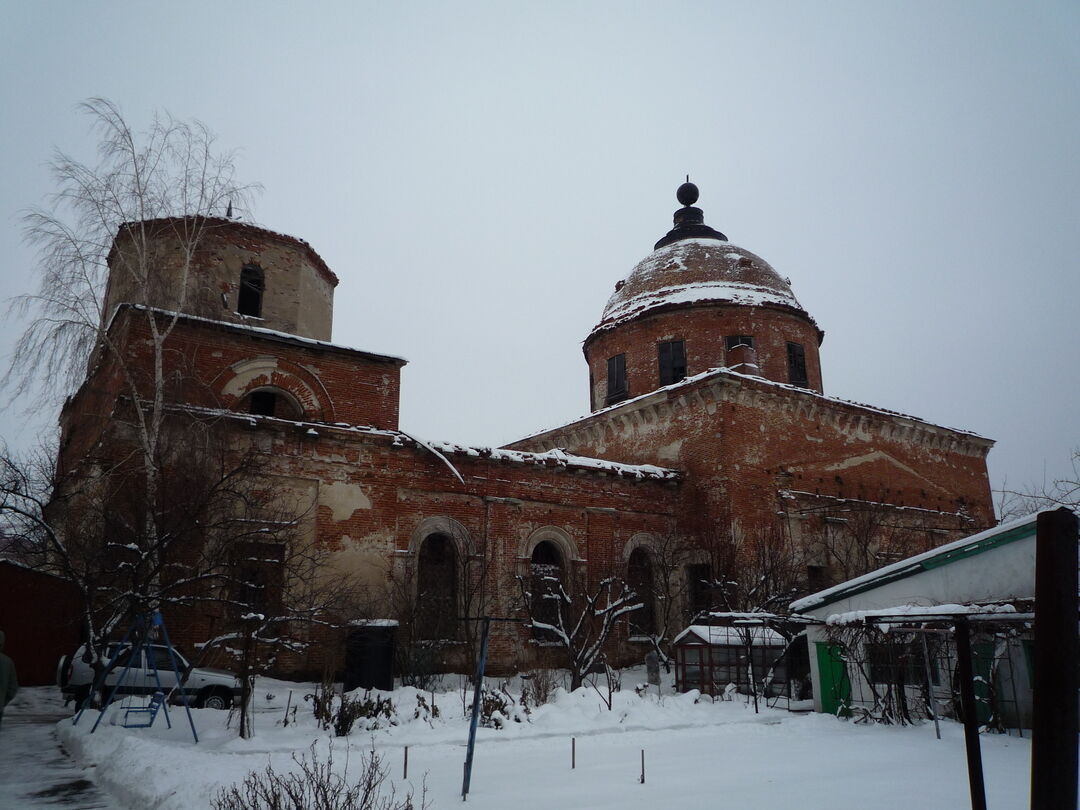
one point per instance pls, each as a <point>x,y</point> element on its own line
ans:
<point>687,193</point>
<point>689,221</point>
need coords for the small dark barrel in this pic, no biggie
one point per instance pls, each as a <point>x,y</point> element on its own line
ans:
<point>369,656</point>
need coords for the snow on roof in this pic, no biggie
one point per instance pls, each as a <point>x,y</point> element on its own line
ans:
<point>950,552</point>
<point>721,636</point>
<point>727,372</point>
<point>260,330</point>
<point>728,291</point>
<point>693,270</point>
<point>561,458</point>
<point>924,612</point>
<point>550,458</point>
<point>834,499</point>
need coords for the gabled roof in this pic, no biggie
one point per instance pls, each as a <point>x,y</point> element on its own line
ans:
<point>704,378</point>
<point>944,555</point>
<point>722,636</point>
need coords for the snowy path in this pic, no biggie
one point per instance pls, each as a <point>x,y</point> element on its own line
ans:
<point>34,770</point>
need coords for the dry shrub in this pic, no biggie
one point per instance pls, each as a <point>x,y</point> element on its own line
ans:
<point>317,787</point>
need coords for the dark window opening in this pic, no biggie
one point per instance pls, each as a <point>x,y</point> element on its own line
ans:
<point>734,341</point>
<point>271,403</point>
<point>436,588</point>
<point>263,403</point>
<point>672,361</point>
<point>639,576</point>
<point>545,587</point>
<point>796,364</point>
<point>249,299</point>
<point>616,379</point>
<point>698,589</point>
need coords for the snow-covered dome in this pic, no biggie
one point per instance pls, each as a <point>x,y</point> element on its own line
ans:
<point>696,270</point>
<point>699,302</point>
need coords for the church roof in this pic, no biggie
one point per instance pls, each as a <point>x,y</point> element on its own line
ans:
<point>693,264</point>
<point>693,271</point>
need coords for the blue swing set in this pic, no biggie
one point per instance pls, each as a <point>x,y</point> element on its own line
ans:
<point>137,645</point>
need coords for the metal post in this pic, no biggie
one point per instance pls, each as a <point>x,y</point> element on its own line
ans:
<point>481,664</point>
<point>1054,727</point>
<point>930,685</point>
<point>971,722</point>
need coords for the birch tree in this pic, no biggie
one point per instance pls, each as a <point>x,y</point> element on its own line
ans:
<point>168,176</point>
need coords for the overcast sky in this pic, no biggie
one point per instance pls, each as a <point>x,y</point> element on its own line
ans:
<point>480,175</point>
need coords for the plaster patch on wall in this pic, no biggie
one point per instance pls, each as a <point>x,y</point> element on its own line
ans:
<point>671,451</point>
<point>343,499</point>
<point>365,560</point>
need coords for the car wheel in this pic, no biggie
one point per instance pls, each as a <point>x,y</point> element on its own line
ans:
<point>215,700</point>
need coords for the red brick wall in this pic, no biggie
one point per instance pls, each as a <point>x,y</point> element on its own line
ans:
<point>349,387</point>
<point>740,441</point>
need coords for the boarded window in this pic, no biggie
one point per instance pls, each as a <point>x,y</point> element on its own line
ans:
<point>639,576</point>
<point>796,364</point>
<point>436,588</point>
<point>672,361</point>
<point>616,379</point>
<point>249,299</point>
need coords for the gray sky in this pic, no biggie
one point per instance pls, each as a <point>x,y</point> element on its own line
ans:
<point>480,176</point>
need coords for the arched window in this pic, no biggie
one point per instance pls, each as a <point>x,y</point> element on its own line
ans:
<point>436,588</point>
<point>271,402</point>
<point>546,574</point>
<point>249,299</point>
<point>639,576</point>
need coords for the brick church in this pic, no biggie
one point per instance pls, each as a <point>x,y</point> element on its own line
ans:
<point>709,424</point>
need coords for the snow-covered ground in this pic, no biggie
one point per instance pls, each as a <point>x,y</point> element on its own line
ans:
<point>696,751</point>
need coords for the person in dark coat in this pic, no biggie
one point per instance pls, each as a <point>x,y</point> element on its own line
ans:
<point>9,684</point>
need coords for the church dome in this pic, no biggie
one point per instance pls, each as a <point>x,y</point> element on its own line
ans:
<point>696,271</point>
<point>699,302</point>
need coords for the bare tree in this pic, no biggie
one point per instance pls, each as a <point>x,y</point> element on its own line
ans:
<point>230,542</point>
<point>1063,491</point>
<point>167,178</point>
<point>760,571</point>
<point>577,616</point>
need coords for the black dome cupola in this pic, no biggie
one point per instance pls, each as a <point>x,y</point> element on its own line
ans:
<point>689,221</point>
